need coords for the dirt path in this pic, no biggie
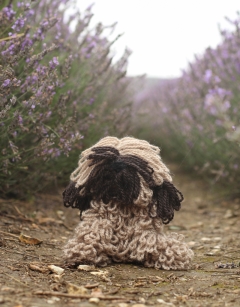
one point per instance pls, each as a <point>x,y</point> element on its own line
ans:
<point>210,225</point>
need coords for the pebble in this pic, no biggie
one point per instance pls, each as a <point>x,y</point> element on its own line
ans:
<point>56,269</point>
<point>204,239</point>
<point>88,268</point>
<point>53,300</point>
<point>228,214</point>
<point>94,300</point>
<point>191,243</point>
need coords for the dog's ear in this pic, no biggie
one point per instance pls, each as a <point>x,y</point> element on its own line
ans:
<point>72,198</point>
<point>166,198</point>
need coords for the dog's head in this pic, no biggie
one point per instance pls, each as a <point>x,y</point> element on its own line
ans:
<point>126,171</point>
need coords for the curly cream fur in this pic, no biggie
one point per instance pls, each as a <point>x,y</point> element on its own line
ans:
<point>109,233</point>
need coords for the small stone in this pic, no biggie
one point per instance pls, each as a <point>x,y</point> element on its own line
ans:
<point>86,268</point>
<point>204,239</point>
<point>228,214</point>
<point>94,300</point>
<point>212,252</point>
<point>191,243</point>
<point>56,269</point>
<point>53,300</point>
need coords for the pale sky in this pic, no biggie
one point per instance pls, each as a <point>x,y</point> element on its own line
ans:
<point>163,35</point>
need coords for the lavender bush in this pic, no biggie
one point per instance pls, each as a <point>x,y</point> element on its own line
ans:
<point>196,118</point>
<point>59,91</point>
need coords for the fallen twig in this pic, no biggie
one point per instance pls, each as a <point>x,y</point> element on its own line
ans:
<point>11,37</point>
<point>17,252</point>
<point>91,286</point>
<point>113,291</point>
<point>18,217</point>
<point>17,280</point>
<point>10,234</point>
<point>108,298</point>
<point>19,212</point>
<point>225,271</point>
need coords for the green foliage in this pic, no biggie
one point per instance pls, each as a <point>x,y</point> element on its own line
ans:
<point>59,92</point>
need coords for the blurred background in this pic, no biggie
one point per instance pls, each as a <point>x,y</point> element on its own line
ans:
<point>164,36</point>
<point>74,71</point>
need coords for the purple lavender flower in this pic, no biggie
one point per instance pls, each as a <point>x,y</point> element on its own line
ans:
<point>208,75</point>
<point>6,83</point>
<point>27,42</point>
<point>226,105</point>
<point>53,63</point>
<point>91,101</point>
<point>19,24</point>
<point>49,113</point>
<point>20,120</point>
<point>8,11</point>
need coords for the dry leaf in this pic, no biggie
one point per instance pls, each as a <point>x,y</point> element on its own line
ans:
<point>74,289</point>
<point>29,240</point>
<point>182,298</point>
<point>56,269</point>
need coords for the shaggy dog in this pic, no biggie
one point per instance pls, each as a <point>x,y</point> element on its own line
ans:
<point>125,194</point>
